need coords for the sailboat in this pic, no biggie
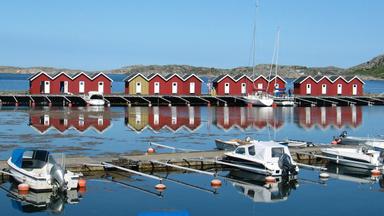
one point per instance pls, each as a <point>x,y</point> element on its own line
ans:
<point>257,98</point>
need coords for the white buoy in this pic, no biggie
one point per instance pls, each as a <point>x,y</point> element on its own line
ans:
<point>324,175</point>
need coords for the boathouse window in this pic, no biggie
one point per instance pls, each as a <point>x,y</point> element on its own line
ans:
<point>240,151</point>
<point>277,152</point>
<point>251,150</point>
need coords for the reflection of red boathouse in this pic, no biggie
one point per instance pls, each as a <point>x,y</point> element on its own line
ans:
<point>245,118</point>
<point>80,120</point>
<point>324,117</point>
<point>158,118</point>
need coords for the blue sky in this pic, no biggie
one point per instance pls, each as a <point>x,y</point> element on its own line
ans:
<point>97,35</point>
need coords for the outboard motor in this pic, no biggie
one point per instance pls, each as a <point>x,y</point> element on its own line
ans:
<point>57,175</point>
<point>286,165</point>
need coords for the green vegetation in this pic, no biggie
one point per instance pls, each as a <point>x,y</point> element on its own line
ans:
<point>377,72</point>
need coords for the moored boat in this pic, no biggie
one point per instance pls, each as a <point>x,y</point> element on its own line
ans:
<point>267,157</point>
<point>232,144</point>
<point>360,157</point>
<point>41,170</point>
<point>259,99</point>
<point>296,143</point>
<point>94,98</point>
<point>345,139</point>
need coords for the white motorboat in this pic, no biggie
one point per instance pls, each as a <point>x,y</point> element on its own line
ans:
<point>360,157</point>
<point>41,170</point>
<point>344,139</point>
<point>94,98</point>
<point>254,186</point>
<point>259,99</point>
<point>230,145</point>
<point>267,157</point>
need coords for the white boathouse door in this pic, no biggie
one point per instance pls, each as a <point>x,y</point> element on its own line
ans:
<point>339,89</point>
<point>192,88</point>
<point>66,87</point>
<point>174,88</point>
<point>138,88</point>
<point>324,89</point>
<point>354,89</point>
<point>101,87</point>
<point>81,87</point>
<point>243,88</point>
<point>156,88</point>
<point>226,88</point>
<point>47,87</point>
<point>308,89</point>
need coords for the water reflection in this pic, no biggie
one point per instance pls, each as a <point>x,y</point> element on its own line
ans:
<point>191,119</point>
<point>243,118</point>
<point>158,118</point>
<point>43,120</point>
<point>41,201</point>
<point>353,174</point>
<point>325,117</point>
<point>254,187</point>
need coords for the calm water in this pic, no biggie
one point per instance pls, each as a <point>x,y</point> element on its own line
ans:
<point>99,131</point>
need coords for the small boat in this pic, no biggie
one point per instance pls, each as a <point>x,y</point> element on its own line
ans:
<point>41,170</point>
<point>232,144</point>
<point>360,157</point>
<point>268,157</point>
<point>253,186</point>
<point>296,143</point>
<point>259,99</point>
<point>94,98</point>
<point>344,139</point>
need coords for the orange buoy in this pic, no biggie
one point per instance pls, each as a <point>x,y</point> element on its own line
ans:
<point>82,190</point>
<point>151,150</point>
<point>82,183</point>
<point>160,187</point>
<point>23,188</point>
<point>375,172</point>
<point>274,105</point>
<point>334,142</point>
<point>215,183</point>
<point>270,179</point>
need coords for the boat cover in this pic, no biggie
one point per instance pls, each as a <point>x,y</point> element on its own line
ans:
<point>17,157</point>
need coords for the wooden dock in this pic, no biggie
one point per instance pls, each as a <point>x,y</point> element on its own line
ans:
<point>178,100</point>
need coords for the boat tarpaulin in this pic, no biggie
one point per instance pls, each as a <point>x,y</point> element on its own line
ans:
<point>17,157</point>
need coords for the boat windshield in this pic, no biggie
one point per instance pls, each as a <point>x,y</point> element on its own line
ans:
<point>34,159</point>
<point>57,158</point>
<point>277,152</point>
<point>96,97</point>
